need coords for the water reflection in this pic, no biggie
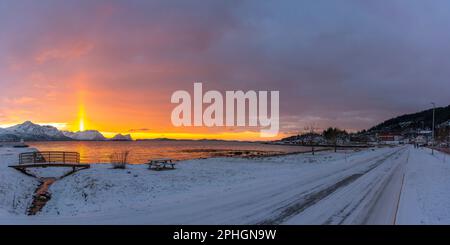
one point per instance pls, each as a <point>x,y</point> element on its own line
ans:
<point>141,151</point>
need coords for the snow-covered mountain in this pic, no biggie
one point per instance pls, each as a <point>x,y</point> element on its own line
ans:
<point>121,137</point>
<point>92,135</point>
<point>34,129</point>
<point>31,131</point>
<point>6,136</point>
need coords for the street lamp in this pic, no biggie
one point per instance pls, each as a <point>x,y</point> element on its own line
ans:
<point>432,132</point>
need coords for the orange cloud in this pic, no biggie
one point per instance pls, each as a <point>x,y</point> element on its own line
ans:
<point>19,101</point>
<point>70,52</point>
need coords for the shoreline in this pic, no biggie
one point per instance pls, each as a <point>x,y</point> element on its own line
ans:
<point>141,152</point>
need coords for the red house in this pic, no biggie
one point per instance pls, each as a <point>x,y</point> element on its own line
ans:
<point>390,137</point>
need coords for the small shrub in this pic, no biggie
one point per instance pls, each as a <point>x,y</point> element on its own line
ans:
<point>119,160</point>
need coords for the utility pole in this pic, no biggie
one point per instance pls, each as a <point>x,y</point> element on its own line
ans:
<point>432,132</point>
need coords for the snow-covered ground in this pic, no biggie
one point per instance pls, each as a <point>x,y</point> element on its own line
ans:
<point>425,198</point>
<point>374,186</point>
<point>15,187</point>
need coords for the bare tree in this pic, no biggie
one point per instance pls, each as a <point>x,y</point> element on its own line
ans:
<point>311,137</point>
<point>332,135</point>
<point>119,160</point>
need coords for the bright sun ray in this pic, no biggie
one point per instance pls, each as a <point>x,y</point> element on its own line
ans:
<point>81,118</point>
<point>81,124</point>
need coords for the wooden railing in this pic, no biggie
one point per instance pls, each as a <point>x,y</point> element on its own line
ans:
<point>49,157</point>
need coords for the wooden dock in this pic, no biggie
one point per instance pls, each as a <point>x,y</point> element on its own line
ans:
<point>46,159</point>
<point>46,165</point>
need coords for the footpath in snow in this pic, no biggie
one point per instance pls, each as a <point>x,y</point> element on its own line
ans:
<point>425,198</point>
<point>399,185</point>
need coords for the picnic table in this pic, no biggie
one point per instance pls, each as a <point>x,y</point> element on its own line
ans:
<point>161,163</point>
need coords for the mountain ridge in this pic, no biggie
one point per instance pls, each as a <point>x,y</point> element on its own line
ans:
<point>30,131</point>
<point>418,120</point>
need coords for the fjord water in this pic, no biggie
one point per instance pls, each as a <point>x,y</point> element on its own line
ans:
<point>141,151</point>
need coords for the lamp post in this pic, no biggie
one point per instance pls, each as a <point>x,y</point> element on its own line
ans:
<point>432,131</point>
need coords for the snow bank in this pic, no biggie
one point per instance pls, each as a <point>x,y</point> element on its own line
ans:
<point>16,189</point>
<point>425,198</point>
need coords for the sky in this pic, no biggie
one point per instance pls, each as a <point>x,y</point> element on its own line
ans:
<point>113,65</point>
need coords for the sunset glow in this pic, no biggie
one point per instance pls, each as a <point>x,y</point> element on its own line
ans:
<point>81,116</point>
<point>81,126</point>
<point>112,67</point>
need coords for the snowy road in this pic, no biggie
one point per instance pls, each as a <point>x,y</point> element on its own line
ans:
<point>368,187</point>
<point>351,200</point>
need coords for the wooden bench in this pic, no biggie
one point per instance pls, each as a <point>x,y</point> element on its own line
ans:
<point>161,164</point>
